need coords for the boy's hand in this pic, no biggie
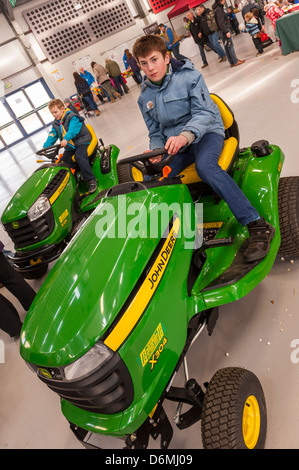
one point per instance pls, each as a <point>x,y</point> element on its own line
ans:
<point>156,159</point>
<point>63,143</point>
<point>174,144</point>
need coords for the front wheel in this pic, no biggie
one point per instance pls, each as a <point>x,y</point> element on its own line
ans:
<point>36,273</point>
<point>234,411</point>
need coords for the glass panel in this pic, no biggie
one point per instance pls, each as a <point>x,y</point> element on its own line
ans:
<point>31,123</point>
<point>19,104</point>
<point>11,134</point>
<point>46,115</point>
<point>37,94</point>
<point>5,117</point>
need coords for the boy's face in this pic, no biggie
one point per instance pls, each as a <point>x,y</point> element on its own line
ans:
<point>57,112</point>
<point>154,65</point>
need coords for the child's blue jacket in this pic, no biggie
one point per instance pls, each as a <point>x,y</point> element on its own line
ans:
<point>181,104</point>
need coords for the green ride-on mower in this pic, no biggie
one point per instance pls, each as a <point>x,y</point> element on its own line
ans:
<point>48,208</point>
<point>113,322</point>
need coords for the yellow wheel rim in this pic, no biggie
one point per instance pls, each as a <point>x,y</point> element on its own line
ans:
<point>251,422</point>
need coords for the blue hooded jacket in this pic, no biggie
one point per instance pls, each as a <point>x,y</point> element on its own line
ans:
<point>182,103</point>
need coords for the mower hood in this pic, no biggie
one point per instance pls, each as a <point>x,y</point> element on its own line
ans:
<point>93,279</point>
<point>28,193</point>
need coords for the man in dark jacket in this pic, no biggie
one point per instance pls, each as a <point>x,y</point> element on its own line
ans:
<point>255,6</point>
<point>204,15</point>
<point>194,28</point>
<point>225,33</point>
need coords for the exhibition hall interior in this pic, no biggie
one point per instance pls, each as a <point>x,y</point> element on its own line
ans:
<point>98,357</point>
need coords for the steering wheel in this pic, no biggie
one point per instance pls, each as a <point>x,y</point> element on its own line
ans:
<point>142,162</point>
<point>49,152</point>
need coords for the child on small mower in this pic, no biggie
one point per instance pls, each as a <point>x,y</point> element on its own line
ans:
<point>75,138</point>
<point>182,118</point>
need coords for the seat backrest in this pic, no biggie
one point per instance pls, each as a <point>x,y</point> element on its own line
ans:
<point>94,141</point>
<point>230,149</point>
<point>228,119</point>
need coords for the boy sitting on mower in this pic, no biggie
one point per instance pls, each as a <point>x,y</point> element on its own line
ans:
<point>182,118</point>
<point>71,130</point>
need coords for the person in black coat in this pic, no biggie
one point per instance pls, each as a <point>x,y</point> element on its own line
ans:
<point>225,32</point>
<point>83,90</point>
<point>194,29</point>
<point>254,6</point>
<point>10,321</point>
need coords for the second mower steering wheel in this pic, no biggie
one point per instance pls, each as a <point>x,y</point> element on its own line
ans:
<point>141,161</point>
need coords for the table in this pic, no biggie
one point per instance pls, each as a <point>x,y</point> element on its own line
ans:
<point>287,30</point>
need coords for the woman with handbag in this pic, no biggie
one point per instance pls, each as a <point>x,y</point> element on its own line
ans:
<point>84,91</point>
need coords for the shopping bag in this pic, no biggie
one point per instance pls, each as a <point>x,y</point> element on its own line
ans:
<point>266,41</point>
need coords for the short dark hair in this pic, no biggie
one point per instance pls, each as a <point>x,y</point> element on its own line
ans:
<point>147,44</point>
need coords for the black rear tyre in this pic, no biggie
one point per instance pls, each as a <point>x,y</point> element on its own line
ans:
<point>234,411</point>
<point>124,173</point>
<point>288,208</point>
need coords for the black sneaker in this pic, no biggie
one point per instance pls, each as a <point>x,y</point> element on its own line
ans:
<point>92,186</point>
<point>260,235</point>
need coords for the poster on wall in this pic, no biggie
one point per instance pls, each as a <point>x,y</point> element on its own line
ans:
<point>57,75</point>
<point>83,62</point>
<point>117,53</point>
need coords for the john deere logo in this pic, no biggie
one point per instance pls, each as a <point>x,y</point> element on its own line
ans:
<point>15,225</point>
<point>45,373</point>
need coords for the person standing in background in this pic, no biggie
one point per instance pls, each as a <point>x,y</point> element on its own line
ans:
<point>90,80</point>
<point>225,33</point>
<point>135,68</point>
<point>172,41</point>
<point>113,70</point>
<point>104,81</point>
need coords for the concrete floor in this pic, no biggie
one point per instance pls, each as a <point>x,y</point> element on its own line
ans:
<point>256,332</point>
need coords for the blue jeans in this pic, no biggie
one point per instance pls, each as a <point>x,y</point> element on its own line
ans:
<point>229,49</point>
<point>202,52</point>
<point>81,157</point>
<point>138,75</point>
<point>213,39</point>
<point>175,49</point>
<point>206,154</point>
<point>119,82</point>
<point>89,99</point>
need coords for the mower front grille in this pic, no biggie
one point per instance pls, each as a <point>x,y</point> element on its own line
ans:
<point>107,390</point>
<point>25,233</point>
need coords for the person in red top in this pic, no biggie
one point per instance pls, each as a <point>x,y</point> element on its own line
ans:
<point>273,12</point>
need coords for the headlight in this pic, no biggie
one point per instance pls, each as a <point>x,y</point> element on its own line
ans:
<point>95,357</point>
<point>39,208</point>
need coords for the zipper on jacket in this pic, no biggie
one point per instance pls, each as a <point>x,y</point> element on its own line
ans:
<point>203,96</point>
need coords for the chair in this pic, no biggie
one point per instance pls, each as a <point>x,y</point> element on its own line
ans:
<point>93,146</point>
<point>230,149</point>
